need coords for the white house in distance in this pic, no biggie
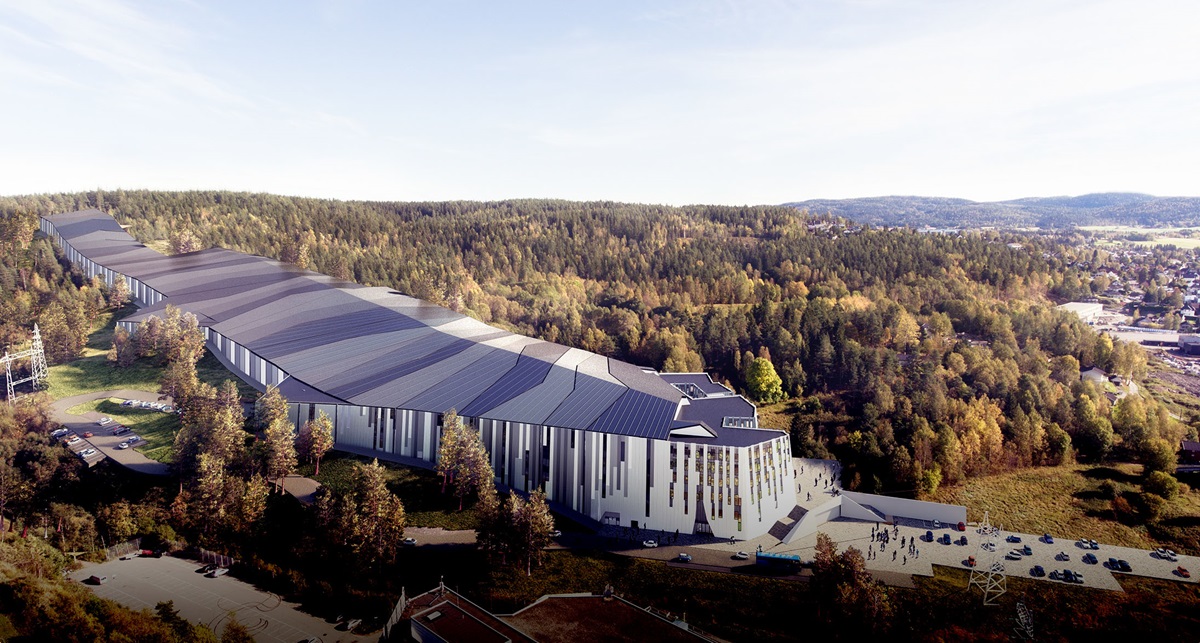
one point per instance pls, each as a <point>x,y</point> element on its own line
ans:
<point>607,440</point>
<point>1088,312</point>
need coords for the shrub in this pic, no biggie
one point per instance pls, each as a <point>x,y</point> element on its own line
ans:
<point>1161,484</point>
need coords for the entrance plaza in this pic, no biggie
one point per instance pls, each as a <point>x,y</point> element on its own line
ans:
<point>708,553</point>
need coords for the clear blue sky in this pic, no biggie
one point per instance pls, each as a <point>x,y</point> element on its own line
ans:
<point>689,101</point>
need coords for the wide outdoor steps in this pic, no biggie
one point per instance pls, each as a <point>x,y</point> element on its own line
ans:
<point>784,526</point>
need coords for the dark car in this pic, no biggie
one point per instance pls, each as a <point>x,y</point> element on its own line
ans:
<point>1124,566</point>
<point>928,536</point>
<point>1013,538</point>
<point>1068,576</point>
<point>1048,539</point>
<point>1090,559</point>
<point>1038,571</point>
<point>1027,550</point>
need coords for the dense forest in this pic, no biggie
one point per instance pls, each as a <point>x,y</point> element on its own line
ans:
<point>917,359</point>
<point>1114,208</point>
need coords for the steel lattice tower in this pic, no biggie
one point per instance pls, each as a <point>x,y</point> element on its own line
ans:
<point>988,574</point>
<point>36,355</point>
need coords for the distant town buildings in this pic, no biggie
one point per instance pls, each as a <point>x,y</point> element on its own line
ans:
<point>1088,312</point>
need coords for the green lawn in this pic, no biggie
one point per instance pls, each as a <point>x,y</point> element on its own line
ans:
<point>92,372</point>
<point>419,489</point>
<point>156,427</point>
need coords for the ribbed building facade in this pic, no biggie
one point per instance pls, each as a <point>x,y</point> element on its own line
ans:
<point>607,440</point>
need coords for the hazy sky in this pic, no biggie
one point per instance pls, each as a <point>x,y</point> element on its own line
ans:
<point>688,101</point>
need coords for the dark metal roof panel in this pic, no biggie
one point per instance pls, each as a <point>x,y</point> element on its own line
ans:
<point>638,414</point>
<point>590,399</point>
<point>527,373</point>
<point>458,392</point>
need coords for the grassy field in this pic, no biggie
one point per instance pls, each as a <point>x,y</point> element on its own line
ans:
<point>421,490</point>
<point>1178,242</point>
<point>156,427</point>
<point>1069,502</point>
<point>92,372</point>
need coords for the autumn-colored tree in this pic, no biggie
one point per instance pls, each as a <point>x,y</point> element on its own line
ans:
<point>182,240</point>
<point>846,591</point>
<point>762,382</point>
<point>450,447</point>
<point>280,450</point>
<point>318,439</point>
<point>124,351</point>
<point>118,295</point>
<point>374,516</point>
<point>269,407</point>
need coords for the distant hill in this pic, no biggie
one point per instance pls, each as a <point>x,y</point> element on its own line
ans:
<point>1109,208</point>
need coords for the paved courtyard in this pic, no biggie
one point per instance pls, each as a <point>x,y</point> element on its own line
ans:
<point>143,582</point>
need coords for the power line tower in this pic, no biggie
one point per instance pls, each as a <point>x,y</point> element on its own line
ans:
<point>988,574</point>
<point>38,373</point>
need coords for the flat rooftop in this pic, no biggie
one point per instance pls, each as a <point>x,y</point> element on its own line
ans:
<point>571,619</point>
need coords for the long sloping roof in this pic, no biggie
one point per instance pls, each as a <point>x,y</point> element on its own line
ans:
<point>377,347</point>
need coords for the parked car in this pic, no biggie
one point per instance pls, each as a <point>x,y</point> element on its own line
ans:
<point>1054,575</point>
<point>218,572</point>
<point>928,536</point>
<point>1038,571</point>
<point>962,540</point>
<point>555,533</point>
<point>122,446</point>
<point>104,421</point>
<point>1013,538</point>
<point>167,409</point>
<point>741,555</point>
<point>1027,550</point>
<point>207,568</point>
<point>134,439</point>
<point>1119,565</point>
<point>937,525</point>
<point>409,542</point>
<point>1089,558</point>
<point>989,546</point>
<point>87,453</point>
<point>1062,555</point>
<point>58,433</point>
<point>685,557</point>
<point>96,580</point>
<point>1048,539</point>
<point>74,439</point>
<point>971,561</point>
<point>88,434</point>
<point>121,430</point>
<point>1183,572</point>
<point>962,526</point>
<point>126,402</point>
<point>1093,544</point>
<point>649,543</point>
<point>1013,555</point>
<point>945,539</point>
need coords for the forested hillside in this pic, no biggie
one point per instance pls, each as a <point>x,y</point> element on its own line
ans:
<point>1049,212</point>
<point>917,359</point>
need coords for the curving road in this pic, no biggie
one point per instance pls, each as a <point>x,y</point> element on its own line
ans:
<point>103,441</point>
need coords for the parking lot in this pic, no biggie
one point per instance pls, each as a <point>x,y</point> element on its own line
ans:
<point>144,582</point>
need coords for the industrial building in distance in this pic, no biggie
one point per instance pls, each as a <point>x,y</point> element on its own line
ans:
<point>613,442</point>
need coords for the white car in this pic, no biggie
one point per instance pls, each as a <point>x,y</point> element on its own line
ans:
<point>74,439</point>
<point>87,453</point>
<point>123,445</point>
<point>649,543</point>
<point>741,555</point>
<point>220,571</point>
<point>103,421</point>
<point>134,439</point>
<point>555,533</point>
<point>409,542</point>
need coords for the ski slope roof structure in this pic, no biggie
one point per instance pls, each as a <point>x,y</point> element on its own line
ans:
<point>346,343</point>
